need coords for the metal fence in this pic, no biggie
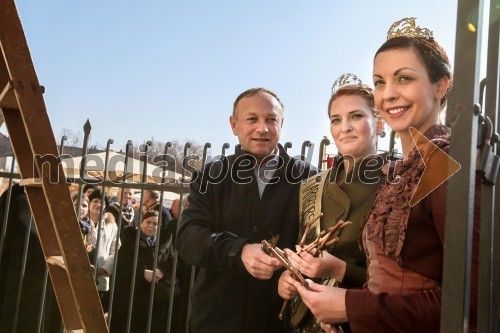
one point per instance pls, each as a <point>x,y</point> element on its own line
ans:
<point>24,284</point>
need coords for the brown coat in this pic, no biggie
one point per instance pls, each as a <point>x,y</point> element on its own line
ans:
<point>421,253</point>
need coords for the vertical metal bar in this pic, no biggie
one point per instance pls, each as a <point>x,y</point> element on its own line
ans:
<point>460,196</point>
<point>392,141</point>
<point>496,267</point>
<point>118,235</point>
<point>193,268</point>
<point>305,144</point>
<point>6,208</point>
<point>42,300</point>
<point>137,238</point>
<point>86,134</point>
<point>325,142</point>
<point>155,265</point>
<point>191,284</point>
<point>155,261</point>
<point>176,254</point>
<point>86,130</point>
<point>61,146</point>
<point>168,145</point>
<point>287,145</point>
<point>101,211</point>
<point>205,150</point>
<point>21,275</point>
<point>484,309</point>
<point>157,246</point>
<point>488,305</point>
<point>224,147</point>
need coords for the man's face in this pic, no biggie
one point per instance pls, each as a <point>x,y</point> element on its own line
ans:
<point>128,195</point>
<point>257,123</point>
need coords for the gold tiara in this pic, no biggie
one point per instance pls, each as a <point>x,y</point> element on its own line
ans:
<point>347,79</point>
<point>406,28</point>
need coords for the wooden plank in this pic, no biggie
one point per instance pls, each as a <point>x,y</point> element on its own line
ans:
<point>56,261</point>
<point>65,298</point>
<point>32,140</point>
<point>41,215</point>
<point>45,229</point>
<point>7,97</point>
<point>4,73</point>
<point>30,182</point>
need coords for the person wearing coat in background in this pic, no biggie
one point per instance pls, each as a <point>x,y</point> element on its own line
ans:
<point>104,236</point>
<point>144,278</point>
<point>20,225</point>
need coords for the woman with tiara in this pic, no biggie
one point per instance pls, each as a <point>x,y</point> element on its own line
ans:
<point>403,234</point>
<point>343,193</point>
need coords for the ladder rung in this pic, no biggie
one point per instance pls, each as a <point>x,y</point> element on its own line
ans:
<point>31,182</point>
<point>77,331</point>
<point>56,261</point>
<point>8,98</point>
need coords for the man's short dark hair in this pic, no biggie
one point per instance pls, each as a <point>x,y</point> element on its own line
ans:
<point>254,91</point>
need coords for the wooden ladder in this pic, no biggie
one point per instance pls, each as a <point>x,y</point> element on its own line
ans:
<point>35,148</point>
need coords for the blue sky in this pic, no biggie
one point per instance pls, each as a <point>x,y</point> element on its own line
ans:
<point>172,69</point>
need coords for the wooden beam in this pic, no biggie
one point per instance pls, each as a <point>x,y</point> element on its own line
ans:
<point>7,97</point>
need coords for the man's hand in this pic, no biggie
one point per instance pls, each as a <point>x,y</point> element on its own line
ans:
<point>258,263</point>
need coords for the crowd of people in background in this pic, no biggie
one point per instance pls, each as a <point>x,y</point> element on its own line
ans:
<point>110,226</point>
<point>117,225</point>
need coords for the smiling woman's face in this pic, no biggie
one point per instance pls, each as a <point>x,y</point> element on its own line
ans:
<point>404,94</point>
<point>353,126</point>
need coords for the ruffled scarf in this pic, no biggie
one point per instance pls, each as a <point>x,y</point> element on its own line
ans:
<point>387,221</point>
